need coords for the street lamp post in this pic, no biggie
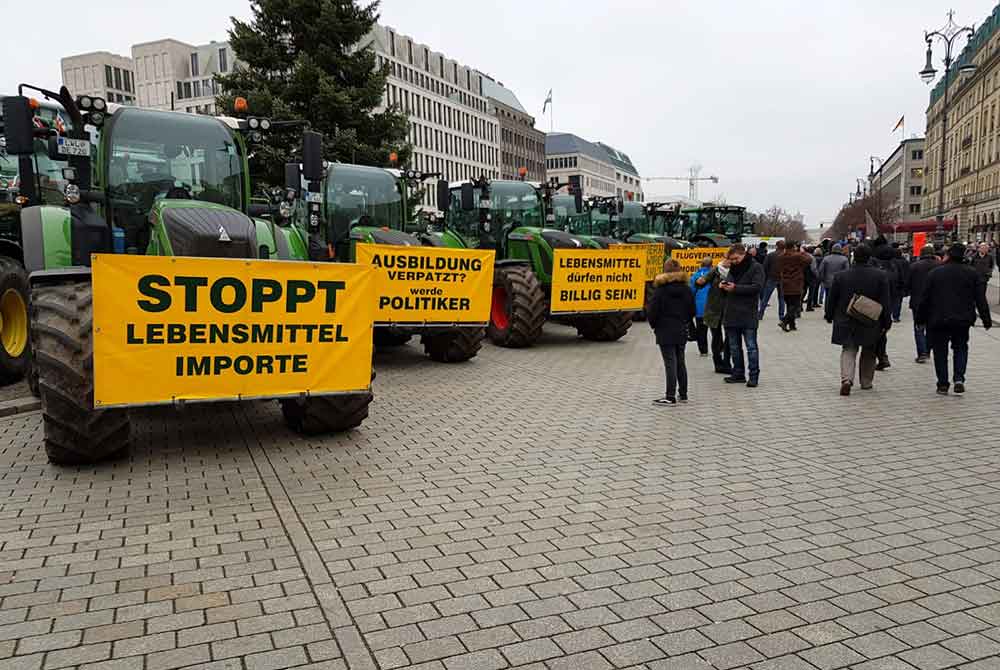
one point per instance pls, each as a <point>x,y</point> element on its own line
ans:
<point>878,204</point>
<point>947,36</point>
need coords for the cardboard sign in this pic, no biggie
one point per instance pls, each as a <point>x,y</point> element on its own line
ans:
<point>690,259</point>
<point>169,328</point>
<point>598,280</point>
<point>655,255</point>
<point>429,284</point>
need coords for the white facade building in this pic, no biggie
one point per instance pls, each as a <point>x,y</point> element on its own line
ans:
<point>175,75</point>
<point>101,74</point>
<point>599,169</point>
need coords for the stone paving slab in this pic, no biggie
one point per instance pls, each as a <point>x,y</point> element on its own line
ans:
<point>529,509</point>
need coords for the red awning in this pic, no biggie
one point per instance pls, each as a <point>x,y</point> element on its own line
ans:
<point>925,226</point>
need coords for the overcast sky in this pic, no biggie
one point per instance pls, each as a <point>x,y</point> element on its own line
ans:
<point>784,100</point>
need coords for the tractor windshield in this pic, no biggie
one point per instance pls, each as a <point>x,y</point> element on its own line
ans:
<point>633,219</point>
<point>730,222</point>
<point>154,155</point>
<point>517,203</point>
<point>364,196</point>
<point>567,217</point>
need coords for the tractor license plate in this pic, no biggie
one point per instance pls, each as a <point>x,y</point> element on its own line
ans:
<point>314,197</point>
<point>69,147</point>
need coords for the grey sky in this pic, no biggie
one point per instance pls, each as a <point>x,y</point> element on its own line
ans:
<point>784,100</point>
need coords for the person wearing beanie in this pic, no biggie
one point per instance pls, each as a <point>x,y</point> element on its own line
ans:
<point>853,334</point>
<point>916,281</point>
<point>951,297</point>
<point>832,264</point>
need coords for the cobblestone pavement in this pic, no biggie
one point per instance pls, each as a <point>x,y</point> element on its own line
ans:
<point>532,509</point>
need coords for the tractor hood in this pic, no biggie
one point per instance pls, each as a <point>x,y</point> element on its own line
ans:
<point>646,238</point>
<point>604,241</point>
<point>384,236</point>
<point>204,229</point>
<point>558,239</point>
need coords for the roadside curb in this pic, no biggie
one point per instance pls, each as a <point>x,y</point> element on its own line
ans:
<point>19,406</point>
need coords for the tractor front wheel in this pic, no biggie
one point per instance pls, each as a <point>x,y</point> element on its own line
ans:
<point>317,415</point>
<point>14,349</point>
<point>604,327</point>
<point>454,346</point>
<point>62,333</point>
<point>518,308</point>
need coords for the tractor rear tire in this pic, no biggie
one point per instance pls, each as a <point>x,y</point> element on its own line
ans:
<point>62,332</point>
<point>386,338</point>
<point>15,351</point>
<point>321,414</point>
<point>454,346</point>
<point>604,327</point>
<point>518,309</point>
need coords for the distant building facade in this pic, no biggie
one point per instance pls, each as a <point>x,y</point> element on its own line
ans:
<point>521,144</point>
<point>101,74</point>
<point>900,179</point>
<point>597,168</point>
<point>175,75</point>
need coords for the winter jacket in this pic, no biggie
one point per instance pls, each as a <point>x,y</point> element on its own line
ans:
<point>771,266</point>
<point>916,279</point>
<point>882,258</point>
<point>792,271</point>
<point>671,309</point>
<point>700,292</point>
<point>870,282</point>
<point>715,306</point>
<point>983,265</point>
<point>902,269</point>
<point>744,300</point>
<point>951,297</point>
<point>830,266</point>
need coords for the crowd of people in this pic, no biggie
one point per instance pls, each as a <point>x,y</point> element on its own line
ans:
<point>861,288</point>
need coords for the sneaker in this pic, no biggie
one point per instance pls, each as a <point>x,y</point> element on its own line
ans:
<point>783,326</point>
<point>723,371</point>
<point>883,365</point>
<point>845,388</point>
<point>867,388</point>
<point>793,327</point>
<point>734,380</point>
<point>704,355</point>
<point>752,384</point>
<point>942,390</point>
<point>665,401</point>
<point>959,387</point>
<point>682,398</point>
<point>920,359</point>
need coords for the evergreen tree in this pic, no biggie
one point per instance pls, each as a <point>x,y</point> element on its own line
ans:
<point>311,60</point>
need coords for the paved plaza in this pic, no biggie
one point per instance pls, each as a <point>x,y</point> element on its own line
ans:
<point>530,509</point>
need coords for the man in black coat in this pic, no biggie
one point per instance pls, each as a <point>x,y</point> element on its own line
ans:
<point>882,257</point>
<point>952,295</point>
<point>670,314</point>
<point>853,334</point>
<point>901,267</point>
<point>743,286</point>
<point>916,281</point>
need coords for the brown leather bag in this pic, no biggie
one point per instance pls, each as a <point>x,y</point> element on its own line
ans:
<point>864,309</point>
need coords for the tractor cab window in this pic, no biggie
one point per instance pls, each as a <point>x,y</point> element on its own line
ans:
<point>731,222</point>
<point>362,196</point>
<point>632,218</point>
<point>567,217</point>
<point>516,204</point>
<point>155,155</point>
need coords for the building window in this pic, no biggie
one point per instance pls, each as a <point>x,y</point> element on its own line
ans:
<point>187,89</point>
<point>180,91</point>
<point>118,78</point>
<point>223,60</point>
<point>917,154</point>
<point>392,44</point>
<point>917,173</point>
<point>194,65</point>
<point>915,208</point>
<point>916,190</point>
<point>107,76</point>
<point>409,50</point>
<point>197,89</point>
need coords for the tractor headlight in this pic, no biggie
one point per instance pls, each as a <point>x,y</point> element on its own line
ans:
<point>255,136</point>
<point>84,102</point>
<point>99,104</point>
<point>253,123</point>
<point>265,124</point>
<point>72,193</point>
<point>96,119</point>
<point>314,221</point>
<point>285,209</point>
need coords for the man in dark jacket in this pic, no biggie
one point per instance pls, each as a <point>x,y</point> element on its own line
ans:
<point>772,282</point>
<point>743,286</point>
<point>670,314</point>
<point>851,333</point>
<point>952,294</point>
<point>792,270</point>
<point>715,309</point>
<point>901,268</point>
<point>916,280</point>
<point>983,264</point>
<point>883,256</point>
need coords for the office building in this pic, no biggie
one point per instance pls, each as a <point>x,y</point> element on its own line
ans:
<point>101,74</point>
<point>597,168</point>
<point>453,128</point>
<point>521,144</point>
<point>900,180</point>
<point>175,75</point>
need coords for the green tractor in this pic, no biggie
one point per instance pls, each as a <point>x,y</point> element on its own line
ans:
<point>714,225</point>
<point>517,219</point>
<point>369,205</point>
<point>635,226</point>
<point>26,180</point>
<point>161,183</point>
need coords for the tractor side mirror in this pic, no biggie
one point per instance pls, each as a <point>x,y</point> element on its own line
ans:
<point>293,178</point>
<point>443,195</point>
<point>19,126</point>
<point>468,199</point>
<point>312,156</point>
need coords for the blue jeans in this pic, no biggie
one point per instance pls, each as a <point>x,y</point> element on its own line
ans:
<point>737,336</point>
<point>897,307</point>
<point>920,336</point>
<point>765,298</point>
<point>958,337</point>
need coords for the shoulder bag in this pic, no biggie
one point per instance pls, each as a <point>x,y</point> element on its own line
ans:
<point>864,309</point>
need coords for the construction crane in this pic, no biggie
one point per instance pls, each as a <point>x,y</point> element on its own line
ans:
<point>692,179</point>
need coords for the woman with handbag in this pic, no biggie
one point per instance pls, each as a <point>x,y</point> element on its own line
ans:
<point>859,307</point>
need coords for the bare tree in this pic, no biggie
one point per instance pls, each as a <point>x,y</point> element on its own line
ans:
<point>775,221</point>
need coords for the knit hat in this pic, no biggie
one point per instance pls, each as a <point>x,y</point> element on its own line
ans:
<point>957,251</point>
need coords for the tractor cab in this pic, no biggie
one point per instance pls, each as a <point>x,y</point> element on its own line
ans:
<point>714,225</point>
<point>604,213</point>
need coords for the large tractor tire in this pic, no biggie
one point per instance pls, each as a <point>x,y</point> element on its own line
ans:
<point>14,341</point>
<point>604,327</point>
<point>518,309</point>
<point>386,338</point>
<point>318,415</point>
<point>61,332</point>
<point>454,346</point>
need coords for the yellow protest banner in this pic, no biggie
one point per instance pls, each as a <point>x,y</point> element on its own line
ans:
<point>690,259</point>
<point>171,328</point>
<point>429,284</point>
<point>598,280</point>
<point>655,254</point>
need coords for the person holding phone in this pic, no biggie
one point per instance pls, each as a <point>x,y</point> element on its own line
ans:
<point>743,287</point>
